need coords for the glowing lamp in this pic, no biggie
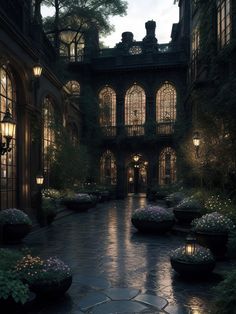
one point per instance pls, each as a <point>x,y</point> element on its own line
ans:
<point>39,179</point>
<point>37,70</point>
<point>190,245</point>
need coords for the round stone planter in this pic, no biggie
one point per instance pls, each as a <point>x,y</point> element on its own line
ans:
<point>192,270</point>
<point>186,216</point>
<point>14,233</point>
<point>152,226</point>
<point>52,289</point>
<point>78,205</point>
<point>216,242</point>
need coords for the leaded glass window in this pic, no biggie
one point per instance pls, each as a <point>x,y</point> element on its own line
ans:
<point>108,168</point>
<point>135,50</point>
<point>48,136</point>
<point>8,161</point>
<point>166,103</point>
<point>135,106</point>
<point>107,105</point>
<point>73,87</point>
<point>72,45</point>
<point>224,23</point>
<point>195,51</point>
<point>167,166</point>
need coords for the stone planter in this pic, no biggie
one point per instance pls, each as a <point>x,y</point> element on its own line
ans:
<point>152,226</point>
<point>14,233</point>
<point>186,216</point>
<point>216,242</point>
<point>192,270</point>
<point>52,289</point>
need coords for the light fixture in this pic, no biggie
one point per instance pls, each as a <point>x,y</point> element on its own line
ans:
<point>136,157</point>
<point>37,70</point>
<point>7,131</point>
<point>190,245</point>
<point>196,143</point>
<point>39,179</point>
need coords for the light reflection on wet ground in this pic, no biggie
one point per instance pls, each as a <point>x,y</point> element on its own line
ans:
<point>103,242</point>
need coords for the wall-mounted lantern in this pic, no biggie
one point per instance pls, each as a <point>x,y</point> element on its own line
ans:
<point>196,143</point>
<point>7,131</point>
<point>37,70</point>
<point>39,179</point>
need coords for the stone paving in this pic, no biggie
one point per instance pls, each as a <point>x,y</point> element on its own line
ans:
<point>116,269</point>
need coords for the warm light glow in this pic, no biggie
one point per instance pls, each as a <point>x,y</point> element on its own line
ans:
<point>190,245</point>
<point>39,179</point>
<point>136,158</point>
<point>196,139</point>
<point>8,125</point>
<point>37,70</point>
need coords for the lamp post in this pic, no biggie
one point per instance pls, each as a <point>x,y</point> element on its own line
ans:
<point>190,245</point>
<point>196,143</point>
<point>7,132</point>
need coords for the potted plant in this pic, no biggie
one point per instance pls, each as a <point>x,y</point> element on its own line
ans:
<point>153,219</point>
<point>195,263</point>
<point>80,201</point>
<point>49,278</point>
<point>15,296</point>
<point>14,224</point>
<point>187,210</point>
<point>212,231</point>
<point>174,199</point>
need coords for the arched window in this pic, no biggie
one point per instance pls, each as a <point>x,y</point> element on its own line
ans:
<point>107,105</point>
<point>8,161</point>
<point>108,168</point>
<point>73,87</point>
<point>48,136</point>
<point>135,106</point>
<point>167,166</point>
<point>166,103</point>
<point>135,110</point>
<point>72,45</point>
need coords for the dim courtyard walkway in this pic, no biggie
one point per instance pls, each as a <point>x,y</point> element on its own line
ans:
<point>115,269</point>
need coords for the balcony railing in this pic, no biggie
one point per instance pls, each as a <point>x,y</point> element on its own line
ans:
<point>161,129</point>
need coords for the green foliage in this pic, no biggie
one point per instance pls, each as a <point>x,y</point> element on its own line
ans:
<point>175,198</point>
<point>9,258</point>
<point>12,287</point>
<point>190,203</point>
<point>201,255</point>
<point>153,213</point>
<point>14,216</point>
<point>225,295</point>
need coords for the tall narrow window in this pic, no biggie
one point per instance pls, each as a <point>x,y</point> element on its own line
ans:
<point>107,105</point>
<point>167,166</point>
<point>8,161</point>
<point>72,46</point>
<point>195,52</point>
<point>108,168</point>
<point>166,108</point>
<point>135,110</point>
<point>48,136</point>
<point>224,23</point>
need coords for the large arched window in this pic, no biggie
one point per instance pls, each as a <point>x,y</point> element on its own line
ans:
<point>72,45</point>
<point>107,106</point>
<point>167,166</point>
<point>48,136</point>
<point>8,161</point>
<point>166,103</point>
<point>108,168</point>
<point>135,110</point>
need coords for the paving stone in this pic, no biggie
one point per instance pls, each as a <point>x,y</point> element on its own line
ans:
<point>91,281</point>
<point>152,300</point>
<point>92,299</point>
<point>176,309</point>
<point>121,293</point>
<point>118,307</point>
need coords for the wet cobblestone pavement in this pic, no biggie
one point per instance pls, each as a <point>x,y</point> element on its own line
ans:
<point>116,269</point>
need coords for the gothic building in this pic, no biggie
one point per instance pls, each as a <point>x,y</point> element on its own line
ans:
<point>142,91</point>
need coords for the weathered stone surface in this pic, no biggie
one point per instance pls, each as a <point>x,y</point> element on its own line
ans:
<point>92,299</point>
<point>119,307</point>
<point>121,293</point>
<point>152,300</point>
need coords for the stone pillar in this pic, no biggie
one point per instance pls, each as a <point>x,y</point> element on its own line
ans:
<point>121,180</point>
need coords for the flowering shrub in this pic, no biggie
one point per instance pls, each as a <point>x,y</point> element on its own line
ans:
<point>79,197</point>
<point>200,255</point>
<point>189,203</point>
<point>33,270</point>
<point>175,198</point>
<point>51,193</point>
<point>222,205</point>
<point>153,213</point>
<point>213,222</point>
<point>14,216</point>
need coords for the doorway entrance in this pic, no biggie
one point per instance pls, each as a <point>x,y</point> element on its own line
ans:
<point>137,175</point>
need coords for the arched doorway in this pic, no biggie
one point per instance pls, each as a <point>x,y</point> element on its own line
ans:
<point>137,171</point>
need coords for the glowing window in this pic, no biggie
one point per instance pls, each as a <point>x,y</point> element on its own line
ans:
<point>72,45</point>
<point>166,103</point>
<point>73,87</point>
<point>135,106</point>
<point>224,23</point>
<point>108,168</point>
<point>107,105</point>
<point>167,166</point>
<point>8,161</point>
